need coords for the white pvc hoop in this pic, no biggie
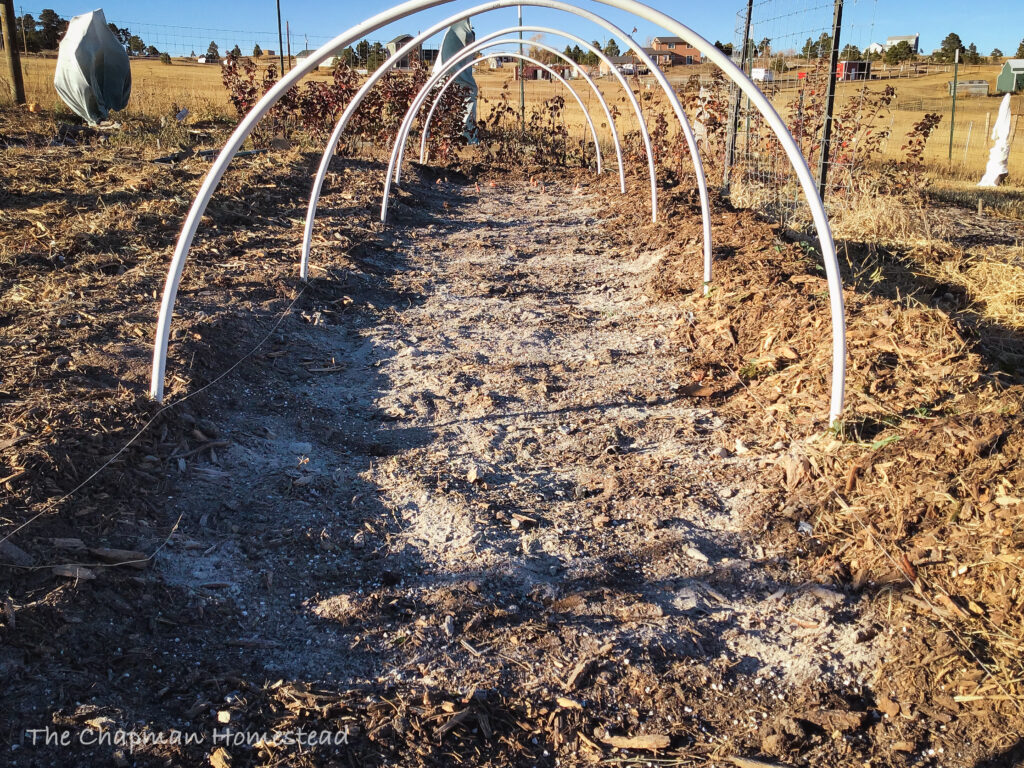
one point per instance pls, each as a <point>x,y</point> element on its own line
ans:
<point>490,41</point>
<point>410,115</point>
<point>269,99</point>
<point>670,94</point>
<point>611,120</point>
<point>579,70</point>
<point>332,143</point>
<point>397,152</point>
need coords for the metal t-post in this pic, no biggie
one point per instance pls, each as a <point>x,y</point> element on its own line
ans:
<point>522,82</point>
<point>734,111</point>
<point>952,117</point>
<point>830,101</point>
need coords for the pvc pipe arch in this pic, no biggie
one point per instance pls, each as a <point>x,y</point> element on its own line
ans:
<point>597,92</point>
<point>421,97</point>
<point>332,143</point>
<point>269,99</point>
<point>398,151</point>
<point>590,47</point>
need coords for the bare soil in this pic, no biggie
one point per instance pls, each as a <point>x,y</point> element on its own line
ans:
<point>499,487</point>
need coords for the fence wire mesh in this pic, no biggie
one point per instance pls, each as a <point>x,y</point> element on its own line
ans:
<point>789,48</point>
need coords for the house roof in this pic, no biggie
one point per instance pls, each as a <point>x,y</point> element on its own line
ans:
<point>670,40</point>
<point>400,39</point>
<point>900,38</point>
<point>1015,64</point>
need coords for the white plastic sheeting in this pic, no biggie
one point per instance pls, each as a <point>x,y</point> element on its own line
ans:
<point>998,167</point>
<point>94,75</point>
<point>459,35</point>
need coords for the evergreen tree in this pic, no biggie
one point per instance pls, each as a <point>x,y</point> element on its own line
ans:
<point>257,51</point>
<point>612,48</point>
<point>850,53</point>
<point>1020,50</point>
<point>972,56</point>
<point>51,29</point>
<point>135,46</point>
<point>899,53</point>
<point>236,51</point>
<point>950,45</point>
<point>996,53</point>
<point>213,52</point>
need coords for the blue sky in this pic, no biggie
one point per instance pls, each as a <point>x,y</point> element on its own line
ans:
<point>187,25</point>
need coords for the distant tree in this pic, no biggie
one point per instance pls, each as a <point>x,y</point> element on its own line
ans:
<point>377,56</point>
<point>996,53</point>
<point>1020,50</point>
<point>611,48</point>
<point>725,48</point>
<point>123,34</point>
<point>972,56</point>
<point>779,64</point>
<point>764,48</point>
<point>363,52</point>
<point>348,55</point>
<point>817,49</point>
<point>257,51</point>
<point>236,51</point>
<point>899,53</point>
<point>850,53</point>
<point>27,32</point>
<point>213,52</point>
<point>192,55</point>
<point>951,43</point>
<point>165,58</point>
<point>51,29</point>
<point>135,46</point>
<point>578,55</point>
<point>152,50</point>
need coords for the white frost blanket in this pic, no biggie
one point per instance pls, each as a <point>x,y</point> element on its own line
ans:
<point>458,36</point>
<point>93,75</point>
<point>999,157</point>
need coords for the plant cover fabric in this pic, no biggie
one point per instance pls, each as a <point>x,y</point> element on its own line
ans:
<point>458,36</point>
<point>94,74</point>
<point>998,167</point>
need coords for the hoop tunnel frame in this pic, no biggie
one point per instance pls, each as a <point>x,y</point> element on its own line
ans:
<point>398,151</point>
<point>614,71</point>
<point>248,123</point>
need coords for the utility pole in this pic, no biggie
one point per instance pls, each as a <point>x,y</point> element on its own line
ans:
<point>9,37</point>
<point>734,110</point>
<point>830,101</point>
<point>280,38</point>
<point>24,39</point>
<point>522,83</point>
<point>952,117</point>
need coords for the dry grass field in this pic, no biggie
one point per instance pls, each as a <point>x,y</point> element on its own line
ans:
<point>159,89</point>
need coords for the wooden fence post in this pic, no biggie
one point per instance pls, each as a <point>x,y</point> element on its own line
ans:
<point>12,59</point>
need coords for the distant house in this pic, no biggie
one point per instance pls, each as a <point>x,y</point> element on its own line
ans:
<point>968,87</point>
<point>533,72</point>
<point>627,65</point>
<point>327,63</point>
<point>1011,77</point>
<point>762,75</point>
<point>853,70</point>
<point>875,48</point>
<point>670,51</point>
<point>395,45</point>
<point>914,41</point>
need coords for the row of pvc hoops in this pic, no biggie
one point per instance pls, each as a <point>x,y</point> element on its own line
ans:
<point>398,12</point>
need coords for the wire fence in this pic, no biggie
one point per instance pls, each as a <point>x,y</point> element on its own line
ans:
<point>787,47</point>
